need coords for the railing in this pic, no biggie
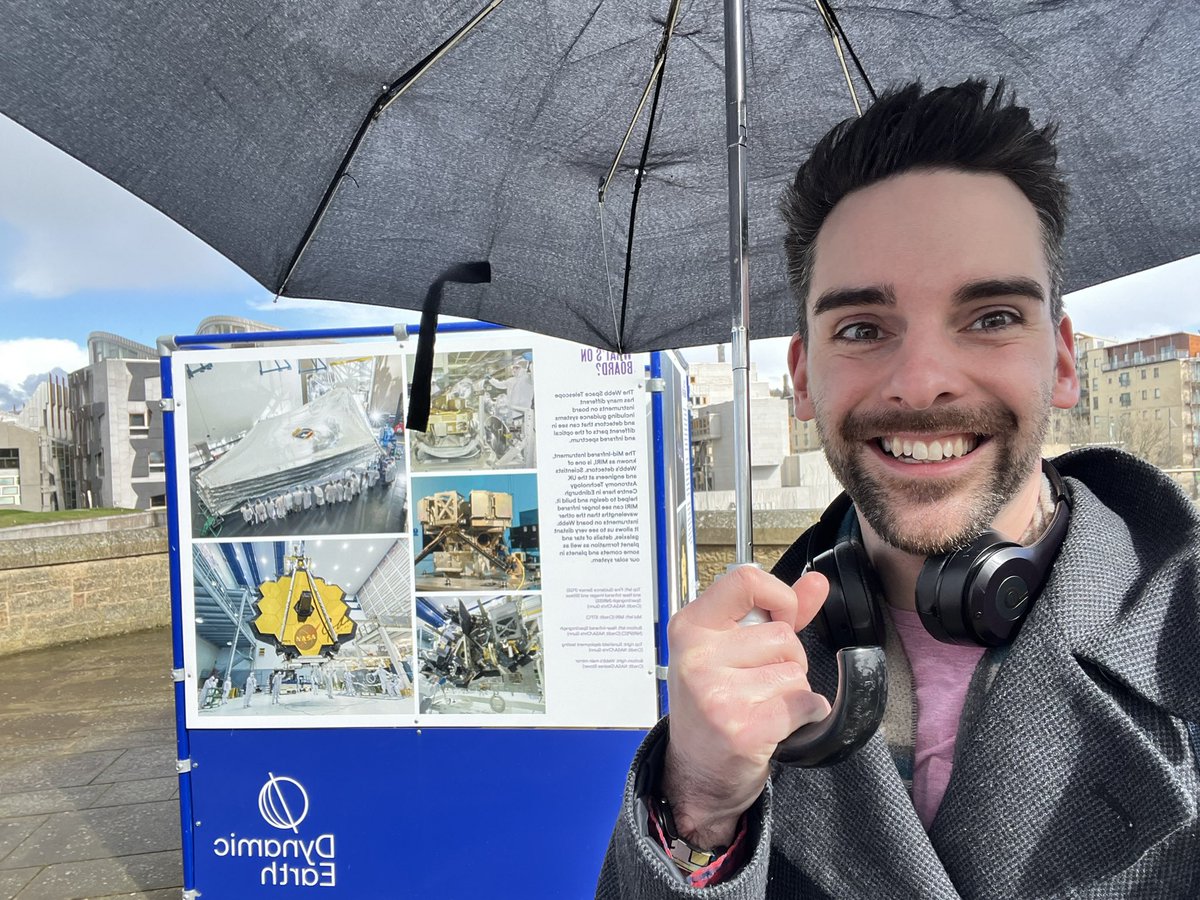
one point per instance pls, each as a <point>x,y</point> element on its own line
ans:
<point>1126,362</point>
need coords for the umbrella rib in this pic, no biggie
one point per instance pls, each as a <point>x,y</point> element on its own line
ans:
<point>660,60</point>
<point>655,82</point>
<point>606,179</point>
<point>392,93</point>
<point>612,305</point>
<point>637,189</point>
<point>838,35</point>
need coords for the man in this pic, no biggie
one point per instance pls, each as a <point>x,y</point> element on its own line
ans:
<point>251,687</point>
<point>209,693</point>
<point>925,248</point>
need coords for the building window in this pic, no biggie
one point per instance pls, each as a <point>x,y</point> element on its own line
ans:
<point>1124,379</point>
<point>1156,371</point>
<point>1143,371</point>
<point>1126,400</point>
<point>1143,395</point>
<point>1095,403</point>
<point>1157,393</point>
<point>155,461</point>
<point>1095,384</point>
<point>158,500</point>
<point>10,458</point>
<point>138,421</point>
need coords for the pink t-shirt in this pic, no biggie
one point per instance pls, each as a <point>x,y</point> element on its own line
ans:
<point>941,675</point>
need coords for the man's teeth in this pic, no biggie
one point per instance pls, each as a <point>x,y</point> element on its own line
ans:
<point>929,451</point>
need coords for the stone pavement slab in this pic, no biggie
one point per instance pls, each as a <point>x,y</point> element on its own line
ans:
<point>88,791</point>
<point>98,834</point>
<point>98,878</point>
<point>11,883</point>
<point>32,803</point>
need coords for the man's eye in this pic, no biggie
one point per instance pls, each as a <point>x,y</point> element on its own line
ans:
<point>992,321</point>
<point>860,331</point>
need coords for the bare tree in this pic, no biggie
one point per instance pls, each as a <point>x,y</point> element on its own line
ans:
<point>1070,427</point>
<point>1148,438</point>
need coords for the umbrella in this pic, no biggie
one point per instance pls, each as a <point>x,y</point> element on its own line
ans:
<point>355,151</point>
<point>570,152</point>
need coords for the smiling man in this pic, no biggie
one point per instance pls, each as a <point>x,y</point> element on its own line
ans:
<point>1038,740</point>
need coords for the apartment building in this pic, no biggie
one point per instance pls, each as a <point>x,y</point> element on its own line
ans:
<point>1144,395</point>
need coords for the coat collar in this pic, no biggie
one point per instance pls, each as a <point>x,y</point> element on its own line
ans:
<point>1075,766</point>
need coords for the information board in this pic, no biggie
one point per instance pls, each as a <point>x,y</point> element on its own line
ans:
<point>394,638</point>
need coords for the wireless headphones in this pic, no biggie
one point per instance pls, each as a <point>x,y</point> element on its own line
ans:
<point>979,594</point>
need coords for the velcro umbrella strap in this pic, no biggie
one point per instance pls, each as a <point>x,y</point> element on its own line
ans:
<point>419,397</point>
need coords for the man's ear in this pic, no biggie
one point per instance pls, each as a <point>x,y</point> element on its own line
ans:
<point>798,365</point>
<point>1066,380</point>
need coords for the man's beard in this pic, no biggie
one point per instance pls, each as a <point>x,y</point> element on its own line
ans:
<point>1015,454</point>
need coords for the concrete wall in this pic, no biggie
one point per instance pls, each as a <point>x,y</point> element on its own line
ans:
<point>60,589</point>
<point>151,518</point>
<point>774,532</point>
<point>769,442</point>
<point>21,487</point>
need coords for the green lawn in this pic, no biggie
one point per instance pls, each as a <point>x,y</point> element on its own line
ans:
<point>12,517</point>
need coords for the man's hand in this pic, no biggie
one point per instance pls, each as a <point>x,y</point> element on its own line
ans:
<point>736,692</point>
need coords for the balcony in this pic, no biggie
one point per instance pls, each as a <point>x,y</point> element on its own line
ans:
<point>1128,362</point>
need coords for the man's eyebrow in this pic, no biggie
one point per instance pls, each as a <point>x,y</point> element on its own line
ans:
<point>990,288</point>
<point>836,298</point>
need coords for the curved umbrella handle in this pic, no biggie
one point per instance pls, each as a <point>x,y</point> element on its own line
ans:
<point>856,713</point>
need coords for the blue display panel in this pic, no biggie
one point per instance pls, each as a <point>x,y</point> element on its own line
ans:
<point>395,813</point>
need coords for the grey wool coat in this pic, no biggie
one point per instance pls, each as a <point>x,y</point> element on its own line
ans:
<point>1078,777</point>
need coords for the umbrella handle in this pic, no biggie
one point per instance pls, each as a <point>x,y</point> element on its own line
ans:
<point>856,713</point>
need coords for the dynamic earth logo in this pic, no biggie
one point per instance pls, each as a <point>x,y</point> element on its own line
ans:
<point>283,804</point>
<point>274,806</point>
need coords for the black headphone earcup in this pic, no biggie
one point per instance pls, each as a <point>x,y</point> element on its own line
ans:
<point>945,584</point>
<point>851,616</point>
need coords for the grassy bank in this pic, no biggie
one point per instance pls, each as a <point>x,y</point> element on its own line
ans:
<point>10,518</point>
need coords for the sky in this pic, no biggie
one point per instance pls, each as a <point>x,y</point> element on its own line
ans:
<point>80,254</point>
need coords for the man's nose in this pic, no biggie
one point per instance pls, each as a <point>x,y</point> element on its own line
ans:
<point>927,369</point>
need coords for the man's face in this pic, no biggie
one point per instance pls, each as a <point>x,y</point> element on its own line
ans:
<point>932,360</point>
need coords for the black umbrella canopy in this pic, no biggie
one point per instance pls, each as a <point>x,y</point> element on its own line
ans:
<point>235,118</point>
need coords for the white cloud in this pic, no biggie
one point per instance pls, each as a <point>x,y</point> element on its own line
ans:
<point>76,230</point>
<point>1157,301</point>
<point>25,357</point>
<point>334,313</point>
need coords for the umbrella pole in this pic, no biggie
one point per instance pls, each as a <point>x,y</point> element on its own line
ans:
<point>739,280</point>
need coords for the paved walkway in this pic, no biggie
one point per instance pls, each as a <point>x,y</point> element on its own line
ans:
<point>88,791</point>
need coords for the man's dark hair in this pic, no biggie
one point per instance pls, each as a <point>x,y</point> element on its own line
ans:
<point>907,129</point>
